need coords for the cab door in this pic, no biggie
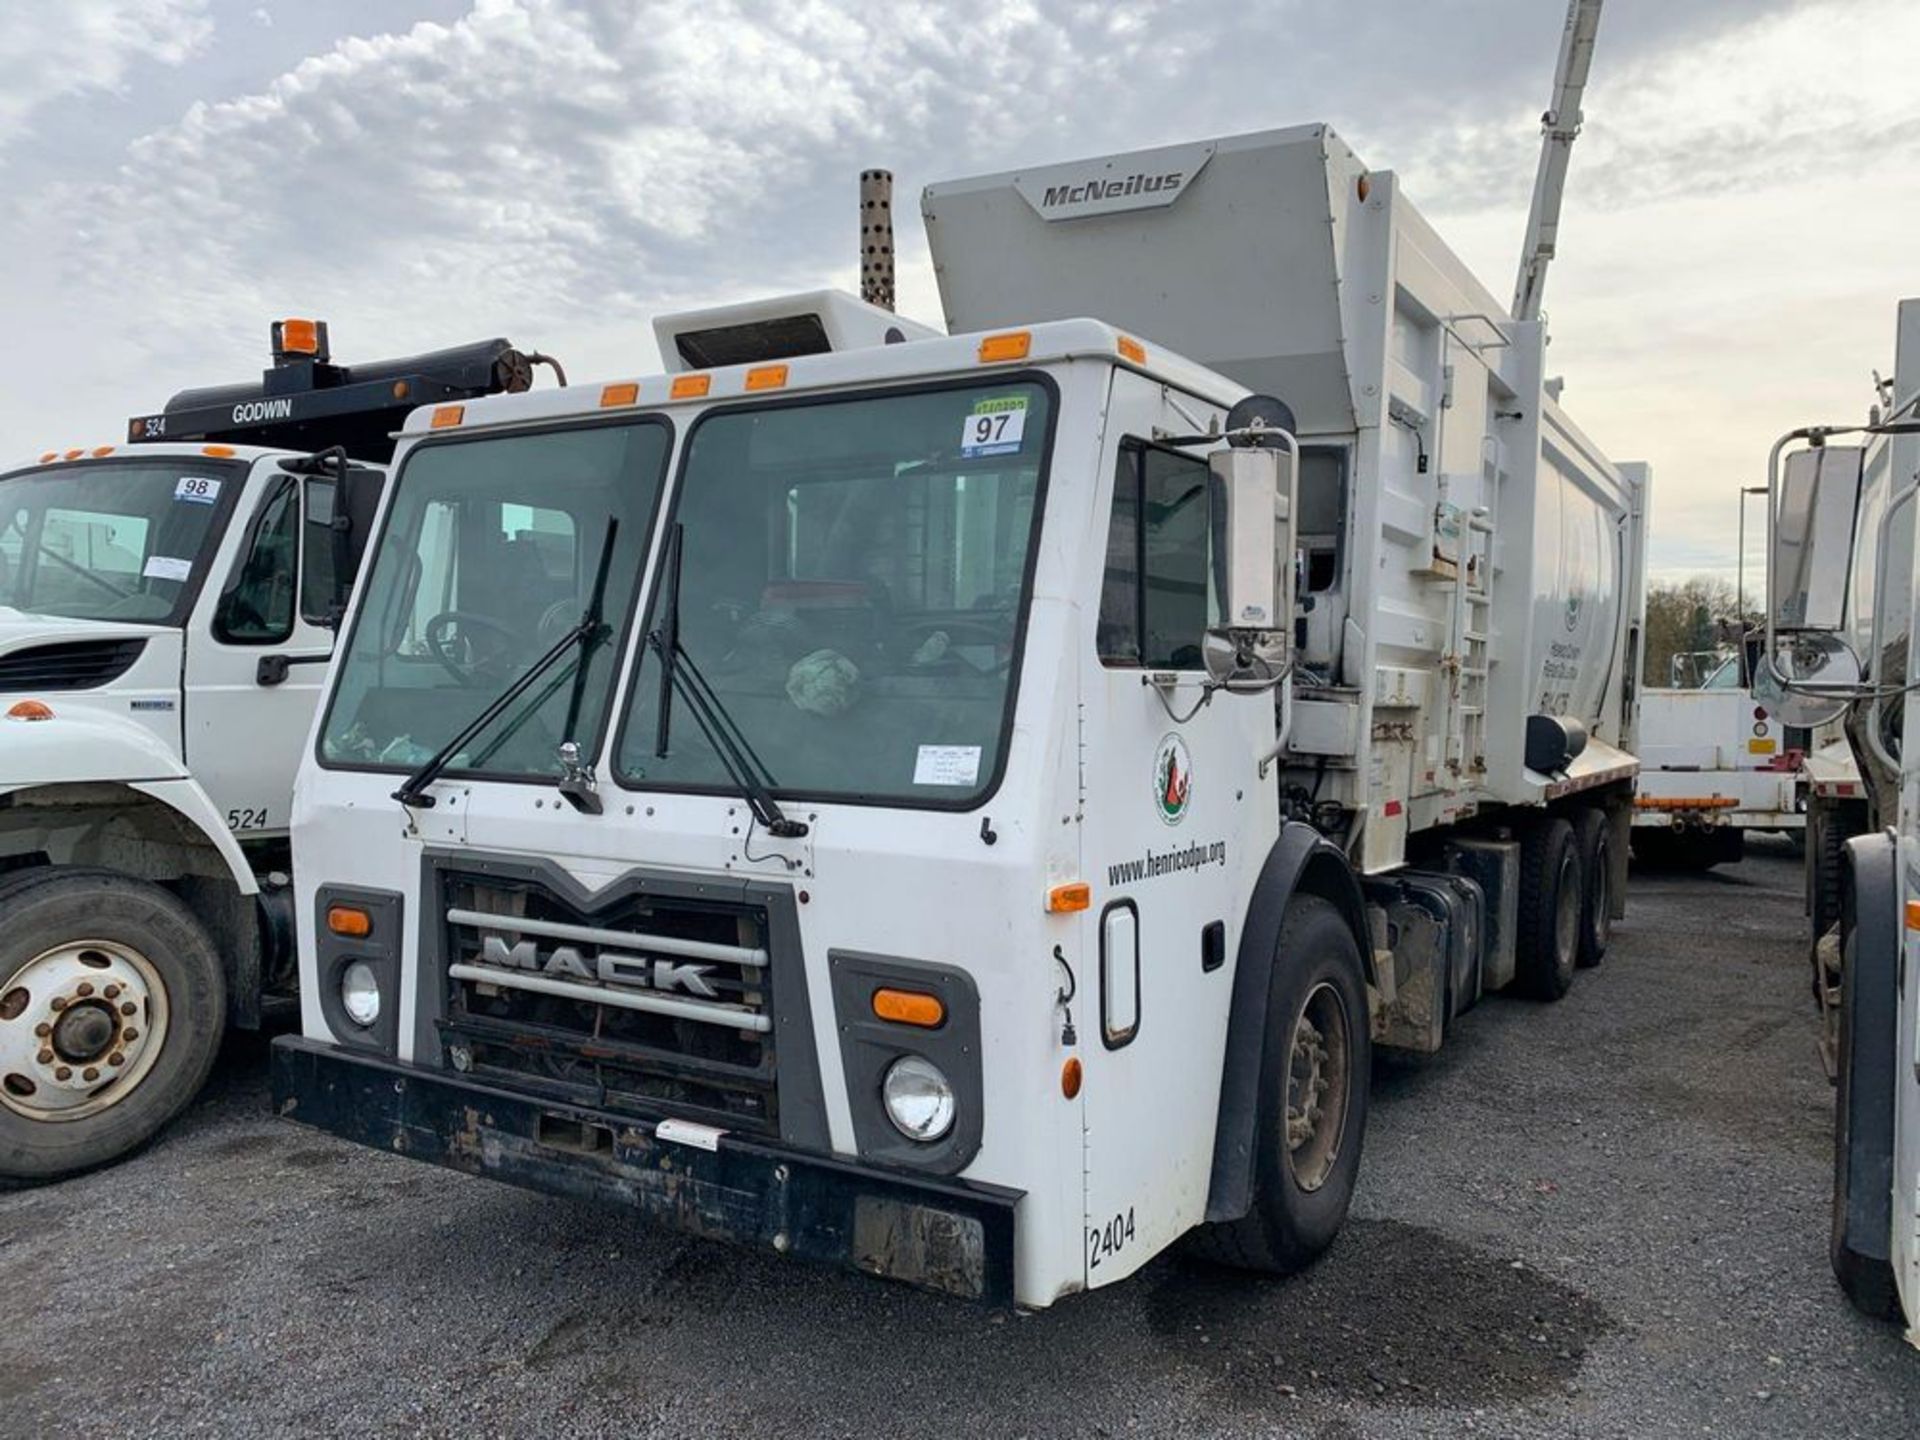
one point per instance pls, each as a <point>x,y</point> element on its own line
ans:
<point>1175,823</point>
<point>257,651</point>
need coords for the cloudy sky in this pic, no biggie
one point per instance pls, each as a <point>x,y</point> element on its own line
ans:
<point>1741,218</point>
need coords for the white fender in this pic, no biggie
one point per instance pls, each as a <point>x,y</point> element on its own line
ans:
<point>93,748</point>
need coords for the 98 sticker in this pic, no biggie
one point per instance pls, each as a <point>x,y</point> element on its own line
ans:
<point>996,427</point>
<point>197,489</point>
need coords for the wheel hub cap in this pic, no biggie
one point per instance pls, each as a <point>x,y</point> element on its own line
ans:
<point>80,1026</point>
<point>1317,1088</point>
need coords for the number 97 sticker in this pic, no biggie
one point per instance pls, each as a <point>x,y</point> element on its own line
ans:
<point>996,427</point>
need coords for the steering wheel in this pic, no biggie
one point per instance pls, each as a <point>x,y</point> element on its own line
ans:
<point>465,654</point>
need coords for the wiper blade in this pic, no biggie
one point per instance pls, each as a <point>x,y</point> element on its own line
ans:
<point>588,633</point>
<point>680,676</point>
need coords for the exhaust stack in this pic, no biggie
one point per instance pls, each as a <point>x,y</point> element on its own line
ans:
<point>876,238</point>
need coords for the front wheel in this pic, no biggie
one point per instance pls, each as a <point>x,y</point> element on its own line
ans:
<point>1314,1078</point>
<point>112,1002</point>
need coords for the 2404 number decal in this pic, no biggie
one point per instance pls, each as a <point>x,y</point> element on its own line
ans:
<point>1108,1240</point>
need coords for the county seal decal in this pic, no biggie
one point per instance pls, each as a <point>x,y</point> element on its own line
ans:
<point>1172,779</point>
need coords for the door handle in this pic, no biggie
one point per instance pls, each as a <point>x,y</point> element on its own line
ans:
<point>272,669</point>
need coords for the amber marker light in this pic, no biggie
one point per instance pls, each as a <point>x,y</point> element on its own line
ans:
<point>1070,1076</point>
<point>1913,914</point>
<point>766,377</point>
<point>614,395</point>
<point>300,337</point>
<point>691,387</point>
<point>1132,349</point>
<point>49,457</point>
<point>909,1007</point>
<point>1013,345</point>
<point>349,920</point>
<point>1067,899</point>
<point>30,710</point>
<point>218,452</point>
<point>73,455</point>
<point>448,416</point>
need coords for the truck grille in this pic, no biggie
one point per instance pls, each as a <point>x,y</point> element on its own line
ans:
<point>648,1004</point>
<point>76,665</point>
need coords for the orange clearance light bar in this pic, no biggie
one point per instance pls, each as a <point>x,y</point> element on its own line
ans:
<point>30,710</point>
<point>909,1007</point>
<point>218,452</point>
<point>691,387</point>
<point>300,337</point>
<point>448,416</point>
<point>1132,349</point>
<point>766,377</point>
<point>349,920</point>
<point>1013,345</point>
<point>1066,899</point>
<point>612,395</point>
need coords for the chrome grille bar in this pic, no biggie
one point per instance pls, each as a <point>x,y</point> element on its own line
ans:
<point>730,1017</point>
<point>592,935</point>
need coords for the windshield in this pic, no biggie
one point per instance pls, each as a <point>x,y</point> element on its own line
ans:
<point>113,540</point>
<point>488,559</point>
<point>852,584</point>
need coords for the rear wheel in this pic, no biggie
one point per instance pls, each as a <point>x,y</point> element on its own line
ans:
<point>1552,892</point>
<point>1313,1098</point>
<point>1593,837</point>
<point>112,1002</point>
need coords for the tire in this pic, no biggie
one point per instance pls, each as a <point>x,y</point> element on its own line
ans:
<point>77,949</point>
<point>1866,1279</point>
<point>1552,893</point>
<point>1301,1190</point>
<point>1593,836</point>
<point>1826,847</point>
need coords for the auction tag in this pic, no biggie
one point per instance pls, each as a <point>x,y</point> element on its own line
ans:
<point>197,489</point>
<point>947,765</point>
<point>166,567</point>
<point>996,427</point>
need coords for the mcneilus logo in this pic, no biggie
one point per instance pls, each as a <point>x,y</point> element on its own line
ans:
<point>1172,779</point>
<point>1134,184</point>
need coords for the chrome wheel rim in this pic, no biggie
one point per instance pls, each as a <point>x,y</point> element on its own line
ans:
<point>81,1026</point>
<point>1566,917</point>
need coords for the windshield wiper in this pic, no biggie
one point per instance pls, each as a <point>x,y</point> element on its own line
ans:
<point>679,675</point>
<point>589,632</point>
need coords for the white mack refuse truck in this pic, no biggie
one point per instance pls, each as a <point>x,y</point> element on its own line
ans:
<point>166,608</point>
<point>1843,620</point>
<point>995,788</point>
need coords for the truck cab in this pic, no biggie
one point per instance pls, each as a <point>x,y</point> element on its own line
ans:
<point>167,610</point>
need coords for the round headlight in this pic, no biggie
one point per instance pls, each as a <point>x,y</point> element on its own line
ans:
<point>360,993</point>
<point>919,1099</point>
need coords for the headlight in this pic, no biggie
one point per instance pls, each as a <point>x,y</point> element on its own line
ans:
<point>360,993</point>
<point>919,1099</point>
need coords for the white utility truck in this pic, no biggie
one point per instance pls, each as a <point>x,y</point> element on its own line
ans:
<point>993,789</point>
<point>166,609</point>
<point>1843,616</point>
<point>1714,765</point>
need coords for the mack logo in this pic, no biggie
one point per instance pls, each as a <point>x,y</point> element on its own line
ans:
<point>608,967</point>
<point>1137,183</point>
<point>254,411</point>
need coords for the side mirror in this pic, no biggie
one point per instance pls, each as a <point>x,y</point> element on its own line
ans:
<point>356,500</point>
<point>1253,506</point>
<point>1810,537</point>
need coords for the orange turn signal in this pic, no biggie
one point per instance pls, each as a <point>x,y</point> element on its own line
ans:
<point>691,387</point>
<point>1066,899</point>
<point>448,416</point>
<point>909,1007</point>
<point>1013,345</point>
<point>30,710</point>
<point>1070,1076</point>
<point>349,920</point>
<point>612,395</point>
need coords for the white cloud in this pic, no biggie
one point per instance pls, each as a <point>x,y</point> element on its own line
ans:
<point>90,45</point>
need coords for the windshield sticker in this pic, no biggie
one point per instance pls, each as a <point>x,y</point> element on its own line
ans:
<point>996,427</point>
<point>947,765</point>
<point>166,567</point>
<point>197,489</point>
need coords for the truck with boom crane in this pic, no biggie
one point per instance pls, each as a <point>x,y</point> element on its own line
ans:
<point>167,607</point>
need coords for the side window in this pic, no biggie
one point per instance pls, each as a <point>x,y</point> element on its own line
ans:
<point>317,561</point>
<point>1159,595</point>
<point>257,606</point>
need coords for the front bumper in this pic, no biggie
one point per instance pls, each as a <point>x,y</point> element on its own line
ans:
<point>950,1235</point>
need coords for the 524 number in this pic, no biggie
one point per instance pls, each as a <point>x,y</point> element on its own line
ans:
<point>247,819</point>
<point>1109,1239</point>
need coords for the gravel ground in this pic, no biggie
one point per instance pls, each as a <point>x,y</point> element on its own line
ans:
<point>1602,1218</point>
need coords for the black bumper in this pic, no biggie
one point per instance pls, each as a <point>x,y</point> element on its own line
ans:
<point>949,1235</point>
